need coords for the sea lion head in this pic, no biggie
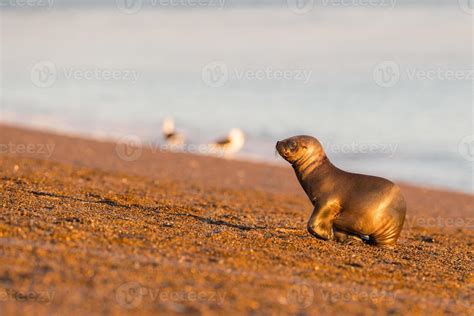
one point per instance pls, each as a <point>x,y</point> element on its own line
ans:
<point>301,150</point>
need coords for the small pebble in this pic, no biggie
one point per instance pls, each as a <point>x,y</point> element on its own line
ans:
<point>428,239</point>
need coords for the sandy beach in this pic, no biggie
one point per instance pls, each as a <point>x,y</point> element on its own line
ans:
<point>88,227</point>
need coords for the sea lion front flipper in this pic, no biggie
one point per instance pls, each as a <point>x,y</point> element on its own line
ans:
<point>321,221</point>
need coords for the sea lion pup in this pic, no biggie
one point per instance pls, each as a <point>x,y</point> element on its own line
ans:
<point>367,208</point>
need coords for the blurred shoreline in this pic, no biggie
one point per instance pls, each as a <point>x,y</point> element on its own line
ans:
<point>127,145</point>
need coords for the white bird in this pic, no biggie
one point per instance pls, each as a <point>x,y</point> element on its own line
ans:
<point>233,143</point>
<point>170,134</point>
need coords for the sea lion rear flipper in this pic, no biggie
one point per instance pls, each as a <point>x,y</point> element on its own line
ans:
<point>344,236</point>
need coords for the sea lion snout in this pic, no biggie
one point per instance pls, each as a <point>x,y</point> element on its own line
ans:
<point>297,147</point>
<point>283,149</point>
<point>279,147</point>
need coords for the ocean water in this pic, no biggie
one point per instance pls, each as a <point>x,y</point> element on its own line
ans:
<point>387,88</point>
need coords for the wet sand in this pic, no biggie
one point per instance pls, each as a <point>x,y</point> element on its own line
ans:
<point>94,228</point>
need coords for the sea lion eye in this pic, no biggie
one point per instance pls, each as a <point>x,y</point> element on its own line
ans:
<point>293,145</point>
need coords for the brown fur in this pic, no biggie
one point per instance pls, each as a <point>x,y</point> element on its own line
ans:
<point>345,204</point>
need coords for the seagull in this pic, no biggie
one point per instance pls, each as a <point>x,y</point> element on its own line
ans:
<point>233,143</point>
<point>169,133</point>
